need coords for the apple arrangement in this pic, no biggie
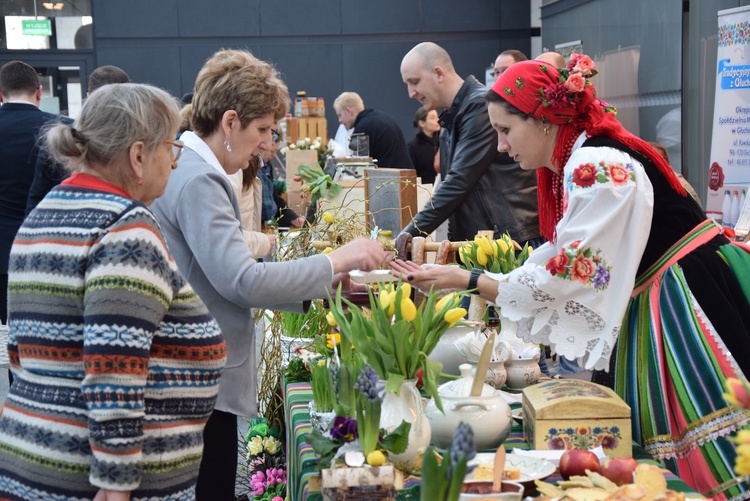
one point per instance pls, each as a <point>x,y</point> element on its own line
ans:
<point>619,470</point>
<point>576,462</point>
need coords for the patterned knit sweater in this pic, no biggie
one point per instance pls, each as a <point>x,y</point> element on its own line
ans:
<point>116,360</point>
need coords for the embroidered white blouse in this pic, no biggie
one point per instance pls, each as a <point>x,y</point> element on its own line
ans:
<point>571,294</point>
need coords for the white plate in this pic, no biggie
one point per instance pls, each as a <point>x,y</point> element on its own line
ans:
<point>517,414</point>
<point>531,468</point>
<point>371,277</point>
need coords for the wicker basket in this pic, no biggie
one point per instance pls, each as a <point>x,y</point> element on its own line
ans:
<point>4,360</point>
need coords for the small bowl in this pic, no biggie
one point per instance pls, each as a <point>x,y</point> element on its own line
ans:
<point>480,490</point>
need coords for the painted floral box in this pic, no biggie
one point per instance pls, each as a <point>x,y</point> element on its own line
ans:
<point>571,414</point>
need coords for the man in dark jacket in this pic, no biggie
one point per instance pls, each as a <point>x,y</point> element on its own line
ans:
<point>387,143</point>
<point>20,122</point>
<point>481,188</point>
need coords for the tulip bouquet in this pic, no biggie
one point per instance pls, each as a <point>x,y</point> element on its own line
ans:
<point>495,256</point>
<point>395,337</point>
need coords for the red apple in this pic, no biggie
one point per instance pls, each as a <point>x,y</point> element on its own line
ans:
<point>619,470</point>
<point>576,462</point>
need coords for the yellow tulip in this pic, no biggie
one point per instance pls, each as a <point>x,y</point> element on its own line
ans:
<point>405,290</point>
<point>502,245</point>
<point>327,250</point>
<point>408,309</point>
<point>449,298</point>
<point>481,257</point>
<point>484,243</point>
<point>328,217</point>
<point>387,302</point>
<point>332,339</point>
<point>454,315</point>
<point>331,319</point>
<point>376,458</point>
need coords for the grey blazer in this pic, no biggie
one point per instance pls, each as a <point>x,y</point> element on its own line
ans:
<point>200,216</point>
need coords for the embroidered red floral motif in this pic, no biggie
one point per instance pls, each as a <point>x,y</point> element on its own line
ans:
<point>619,174</point>
<point>581,264</point>
<point>558,264</point>
<point>583,268</point>
<point>585,175</point>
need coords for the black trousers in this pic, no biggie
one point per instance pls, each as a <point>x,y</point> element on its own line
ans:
<point>4,306</point>
<point>218,470</point>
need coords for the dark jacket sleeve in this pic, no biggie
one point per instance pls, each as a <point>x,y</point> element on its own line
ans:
<point>474,148</point>
<point>47,175</point>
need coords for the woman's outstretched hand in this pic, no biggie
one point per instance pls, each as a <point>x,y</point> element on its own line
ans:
<point>430,275</point>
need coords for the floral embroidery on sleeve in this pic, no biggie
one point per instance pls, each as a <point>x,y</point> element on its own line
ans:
<point>581,265</point>
<point>588,174</point>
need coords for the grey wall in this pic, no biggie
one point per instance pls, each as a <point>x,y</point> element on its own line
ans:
<point>324,47</point>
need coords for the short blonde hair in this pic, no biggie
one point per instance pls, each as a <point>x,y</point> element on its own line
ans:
<point>236,80</point>
<point>111,120</point>
<point>349,100</point>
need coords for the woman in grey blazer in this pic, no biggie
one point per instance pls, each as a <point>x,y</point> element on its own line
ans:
<point>237,101</point>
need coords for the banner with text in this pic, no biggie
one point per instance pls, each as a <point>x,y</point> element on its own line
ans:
<point>729,173</point>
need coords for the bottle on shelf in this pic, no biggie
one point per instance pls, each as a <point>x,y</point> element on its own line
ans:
<point>726,207</point>
<point>742,200</point>
<point>299,103</point>
<point>734,213</point>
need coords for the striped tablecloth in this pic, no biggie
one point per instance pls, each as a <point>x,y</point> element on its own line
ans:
<point>302,477</point>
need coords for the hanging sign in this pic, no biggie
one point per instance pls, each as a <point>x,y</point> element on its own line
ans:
<point>36,27</point>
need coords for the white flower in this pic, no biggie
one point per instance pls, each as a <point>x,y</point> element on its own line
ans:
<point>301,143</point>
<point>292,146</point>
<point>307,140</point>
<point>284,150</point>
<point>255,446</point>
<point>271,445</point>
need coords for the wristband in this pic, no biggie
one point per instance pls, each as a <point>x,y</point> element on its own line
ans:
<point>473,279</point>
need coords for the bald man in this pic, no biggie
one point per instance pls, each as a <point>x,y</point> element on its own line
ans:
<point>552,58</point>
<point>481,188</point>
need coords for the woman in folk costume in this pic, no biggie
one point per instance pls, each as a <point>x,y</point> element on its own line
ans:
<point>633,271</point>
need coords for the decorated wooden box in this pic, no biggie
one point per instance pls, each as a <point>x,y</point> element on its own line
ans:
<point>571,414</point>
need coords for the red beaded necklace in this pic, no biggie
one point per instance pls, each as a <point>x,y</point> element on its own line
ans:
<point>550,191</point>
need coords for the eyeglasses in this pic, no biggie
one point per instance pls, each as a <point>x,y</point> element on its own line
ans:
<point>275,135</point>
<point>177,147</point>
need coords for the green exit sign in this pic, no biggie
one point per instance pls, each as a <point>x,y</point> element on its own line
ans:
<point>41,27</point>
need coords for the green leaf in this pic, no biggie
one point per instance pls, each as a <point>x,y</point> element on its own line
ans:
<point>434,490</point>
<point>398,440</point>
<point>394,382</point>
<point>320,444</point>
<point>334,189</point>
<point>457,479</point>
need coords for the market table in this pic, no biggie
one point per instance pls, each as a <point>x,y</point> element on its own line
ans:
<point>303,481</point>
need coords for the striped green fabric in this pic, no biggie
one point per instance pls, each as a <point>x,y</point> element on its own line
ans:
<point>668,371</point>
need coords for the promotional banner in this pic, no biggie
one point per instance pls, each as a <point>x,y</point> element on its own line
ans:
<point>729,173</point>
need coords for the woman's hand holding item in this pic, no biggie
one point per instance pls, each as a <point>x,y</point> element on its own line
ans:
<point>362,253</point>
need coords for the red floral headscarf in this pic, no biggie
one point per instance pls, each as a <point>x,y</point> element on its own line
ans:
<point>566,98</point>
